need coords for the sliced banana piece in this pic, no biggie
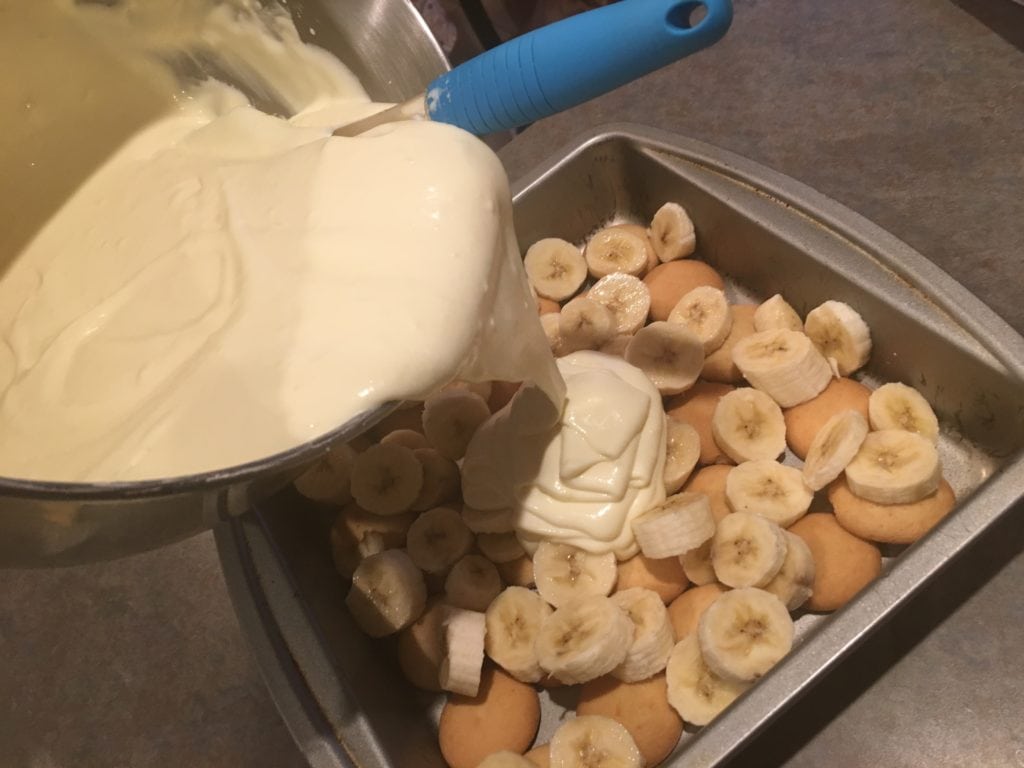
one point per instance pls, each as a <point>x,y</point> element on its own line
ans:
<point>682,452</point>
<point>697,564</point>
<point>652,634</point>
<point>555,268</point>
<point>744,633</point>
<point>472,583</point>
<point>776,314</point>
<point>835,445</point>
<point>626,297</point>
<point>387,593</point>
<point>357,534</point>
<point>841,334</point>
<point>564,573</point>
<point>894,467</point>
<point>694,691</point>
<point>386,479</point>
<point>409,438</point>
<point>794,583</point>
<point>329,480</point>
<point>500,547</point>
<point>747,424</point>
<point>707,313</point>
<point>451,418</point>
<point>670,354</point>
<point>514,619</point>
<point>615,249</point>
<point>681,523</point>
<point>594,741</point>
<point>441,479</point>
<point>897,406</point>
<point>438,539</point>
<point>585,324</point>
<point>551,323</point>
<point>462,658</point>
<point>672,233</point>
<point>584,639</point>
<point>747,550</point>
<point>785,364</point>
<point>769,489</point>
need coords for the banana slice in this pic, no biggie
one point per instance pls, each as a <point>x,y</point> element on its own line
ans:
<point>747,425</point>
<point>500,547</point>
<point>794,583</point>
<point>438,539</point>
<point>697,564</point>
<point>669,353</point>
<point>776,314</point>
<point>744,633</point>
<point>551,323</point>
<point>626,297</point>
<point>894,467</point>
<point>386,479</point>
<point>462,659</point>
<point>489,520</point>
<point>564,573</point>
<point>706,312</point>
<point>506,759</point>
<point>652,634</point>
<point>441,479</point>
<point>682,451</point>
<point>555,268</point>
<point>841,334</point>
<point>329,480</point>
<point>614,249</point>
<point>672,233</point>
<point>356,534</point>
<point>897,406</point>
<point>835,445</point>
<point>584,639</point>
<point>694,691</point>
<point>387,594</point>
<point>769,489</point>
<point>594,741</point>
<point>785,364</point>
<point>679,524</point>
<point>409,438</point>
<point>747,550</point>
<point>472,583</point>
<point>514,619</point>
<point>451,418</point>
<point>585,324</point>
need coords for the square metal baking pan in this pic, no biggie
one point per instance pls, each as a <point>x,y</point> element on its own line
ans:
<point>341,693</point>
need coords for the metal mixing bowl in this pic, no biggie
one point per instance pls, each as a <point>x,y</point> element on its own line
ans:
<point>389,47</point>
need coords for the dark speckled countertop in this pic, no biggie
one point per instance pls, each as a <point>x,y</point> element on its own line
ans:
<point>912,114</point>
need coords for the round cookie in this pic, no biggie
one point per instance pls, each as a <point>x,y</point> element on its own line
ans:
<point>664,576</point>
<point>503,715</point>
<point>718,366</point>
<point>803,421</point>
<point>696,407</point>
<point>420,647</point>
<point>518,572</point>
<point>642,708</point>
<point>684,612</point>
<point>843,563</point>
<point>889,523</point>
<point>668,283</point>
<point>540,756</point>
<point>711,481</point>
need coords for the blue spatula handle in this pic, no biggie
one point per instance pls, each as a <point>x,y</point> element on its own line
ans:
<point>572,61</point>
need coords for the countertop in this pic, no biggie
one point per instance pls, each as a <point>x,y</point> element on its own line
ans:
<point>910,113</point>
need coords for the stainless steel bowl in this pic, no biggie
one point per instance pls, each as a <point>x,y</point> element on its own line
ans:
<point>389,47</point>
